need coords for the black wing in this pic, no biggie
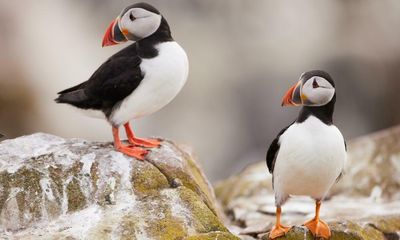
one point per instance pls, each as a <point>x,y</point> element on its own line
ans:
<point>273,150</point>
<point>114,80</point>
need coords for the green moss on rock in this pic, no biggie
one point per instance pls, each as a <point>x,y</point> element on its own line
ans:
<point>162,224</point>
<point>204,218</point>
<point>76,168</point>
<point>167,229</point>
<point>94,174</point>
<point>128,228</point>
<point>4,187</point>
<point>57,178</point>
<point>387,224</point>
<point>76,199</point>
<point>213,236</point>
<point>203,188</point>
<point>347,230</point>
<point>147,179</point>
<point>29,198</point>
<point>189,175</point>
<point>352,230</point>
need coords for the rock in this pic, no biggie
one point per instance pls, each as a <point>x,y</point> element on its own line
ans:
<point>374,164</point>
<point>54,188</point>
<point>368,194</point>
<point>372,228</point>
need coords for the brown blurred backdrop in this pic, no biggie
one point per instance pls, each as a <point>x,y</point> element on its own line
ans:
<point>243,56</point>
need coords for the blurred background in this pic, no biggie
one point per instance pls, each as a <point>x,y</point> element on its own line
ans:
<point>243,56</point>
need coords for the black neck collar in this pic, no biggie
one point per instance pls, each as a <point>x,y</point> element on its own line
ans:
<point>146,47</point>
<point>323,113</point>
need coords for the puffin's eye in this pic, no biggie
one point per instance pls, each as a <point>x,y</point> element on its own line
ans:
<point>131,17</point>
<point>315,84</point>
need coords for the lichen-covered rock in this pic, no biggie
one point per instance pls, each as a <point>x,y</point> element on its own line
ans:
<point>374,164</point>
<point>370,228</point>
<point>52,188</point>
<point>368,193</point>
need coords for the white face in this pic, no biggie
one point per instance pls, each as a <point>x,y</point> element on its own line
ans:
<point>317,91</point>
<point>138,23</point>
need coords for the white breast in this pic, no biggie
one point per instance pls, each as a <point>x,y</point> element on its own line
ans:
<point>311,157</point>
<point>164,77</point>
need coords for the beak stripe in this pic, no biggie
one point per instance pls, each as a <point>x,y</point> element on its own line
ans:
<point>292,96</point>
<point>118,35</point>
<point>113,34</point>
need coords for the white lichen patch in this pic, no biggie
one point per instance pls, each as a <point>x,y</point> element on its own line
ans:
<point>64,201</point>
<point>29,146</point>
<point>10,214</point>
<point>75,226</point>
<point>168,155</point>
<point>179,210</point>
<point>122,165</point>
<point>14,152</point>
<point>47,191</point>
<point>111,184</point>
<point>87,160</point>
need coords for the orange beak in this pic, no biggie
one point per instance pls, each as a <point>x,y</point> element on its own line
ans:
<point>292,96</point>
<point>113,35</point>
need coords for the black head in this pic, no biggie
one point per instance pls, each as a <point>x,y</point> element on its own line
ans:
<point>317,73</point>
<point>315,91</point>
<point>315,88</point>
<point>142,5</point>
<point>136,22</point>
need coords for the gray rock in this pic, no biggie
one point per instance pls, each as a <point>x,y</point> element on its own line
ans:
<point>53,188</point>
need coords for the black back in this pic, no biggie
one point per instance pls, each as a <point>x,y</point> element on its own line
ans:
<point>114,80</point>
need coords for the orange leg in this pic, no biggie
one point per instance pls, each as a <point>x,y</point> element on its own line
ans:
<point>278,230</point>
<point>150,143</point>
<point>318,227</point>
<point>136,152</point>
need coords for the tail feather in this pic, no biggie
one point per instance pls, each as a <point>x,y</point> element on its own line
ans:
<point>74,88</point>
<point>75,98</point>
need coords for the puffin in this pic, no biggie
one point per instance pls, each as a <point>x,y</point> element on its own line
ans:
<point>137,81</point>
<point>308,156</point>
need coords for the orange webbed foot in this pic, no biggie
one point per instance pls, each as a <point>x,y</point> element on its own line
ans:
<point>136,152</point>
<point>318,228</point>
<point>148,143</point>
<point>278,231</point>
<point>143,142</point>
